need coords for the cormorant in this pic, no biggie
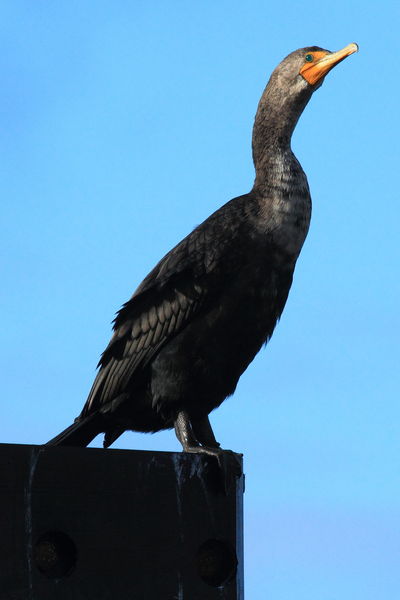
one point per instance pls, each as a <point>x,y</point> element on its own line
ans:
<point>198,319</point>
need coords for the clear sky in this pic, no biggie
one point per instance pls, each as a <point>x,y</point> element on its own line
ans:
<point>124,125</point>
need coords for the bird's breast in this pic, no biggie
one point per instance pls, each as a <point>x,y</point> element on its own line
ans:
<point>285,210</point>
<point>290,221</point>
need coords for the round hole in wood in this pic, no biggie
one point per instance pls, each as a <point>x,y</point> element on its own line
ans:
<point>54,554</point>
<point>216,562</point>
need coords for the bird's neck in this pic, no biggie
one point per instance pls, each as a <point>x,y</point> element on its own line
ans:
<point>276,118</point>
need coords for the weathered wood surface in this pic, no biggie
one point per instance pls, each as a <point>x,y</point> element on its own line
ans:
<point>89,524</point>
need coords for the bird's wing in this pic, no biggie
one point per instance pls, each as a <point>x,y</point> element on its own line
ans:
<point>164,303</point>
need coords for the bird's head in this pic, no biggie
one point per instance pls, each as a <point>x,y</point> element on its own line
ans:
<point>315,62</point>
<point>306,68</point>
<point>288,91</point>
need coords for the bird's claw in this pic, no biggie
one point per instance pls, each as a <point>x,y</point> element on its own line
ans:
<point>229,463</point>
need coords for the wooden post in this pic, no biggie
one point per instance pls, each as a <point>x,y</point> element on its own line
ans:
<point>91,524</point>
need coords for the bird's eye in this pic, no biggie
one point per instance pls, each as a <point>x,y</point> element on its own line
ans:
<point>309,57</point>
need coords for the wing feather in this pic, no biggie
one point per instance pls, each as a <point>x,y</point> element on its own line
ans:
<point>173,293</point>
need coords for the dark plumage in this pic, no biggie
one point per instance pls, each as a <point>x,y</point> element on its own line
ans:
<point>198,319</point>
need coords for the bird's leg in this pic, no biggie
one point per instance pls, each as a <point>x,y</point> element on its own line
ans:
<point>204,433</point>
<point>190,435</point>
<point>188,438</point>
<point>184,432</point>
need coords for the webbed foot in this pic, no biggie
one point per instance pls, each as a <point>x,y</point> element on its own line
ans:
<point>229,463</point>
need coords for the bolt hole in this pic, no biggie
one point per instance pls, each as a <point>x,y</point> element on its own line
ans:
<point>55,554</point>
<point>216,562</point>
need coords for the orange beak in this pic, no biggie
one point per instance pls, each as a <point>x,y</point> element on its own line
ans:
<point>313,72</point>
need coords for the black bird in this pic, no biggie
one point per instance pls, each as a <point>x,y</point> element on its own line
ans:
<point>195,323</point>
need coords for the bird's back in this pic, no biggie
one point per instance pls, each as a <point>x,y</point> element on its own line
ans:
<point>198,319</point>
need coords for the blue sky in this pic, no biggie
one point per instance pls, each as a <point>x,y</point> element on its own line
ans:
<point>126,124</point>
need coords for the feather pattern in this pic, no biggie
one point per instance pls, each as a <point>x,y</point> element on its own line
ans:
<point>167,300</point>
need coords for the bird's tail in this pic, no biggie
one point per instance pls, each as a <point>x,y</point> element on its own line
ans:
<point>80,433</point>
